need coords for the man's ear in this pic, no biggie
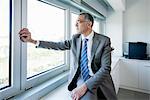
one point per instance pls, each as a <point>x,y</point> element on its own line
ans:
<point>89,24</point>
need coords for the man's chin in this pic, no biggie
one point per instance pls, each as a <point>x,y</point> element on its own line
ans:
<point>79,31</point>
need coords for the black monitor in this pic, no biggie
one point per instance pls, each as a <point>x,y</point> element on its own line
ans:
<point>137,50</point>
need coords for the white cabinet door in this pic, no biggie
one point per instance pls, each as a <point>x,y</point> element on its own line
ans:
<point>144,77</point>
<point>129,73</point>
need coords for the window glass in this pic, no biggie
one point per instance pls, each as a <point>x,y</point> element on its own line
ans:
<point>73,23</point>
<point>45,22</point>
<point>96,26</point>
<point>4,42</point>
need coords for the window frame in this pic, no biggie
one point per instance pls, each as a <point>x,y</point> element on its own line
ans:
<point>19,49</point>
<point>14,42</point>
<point>37,79</point>
<point>96,19</point>
<point>10,46</point>
<point>74,11</point>
<point>102,25</point>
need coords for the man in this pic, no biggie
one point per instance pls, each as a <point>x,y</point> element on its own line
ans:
<point>90,77</point>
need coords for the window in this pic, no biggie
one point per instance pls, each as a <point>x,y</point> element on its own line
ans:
<point>5,43</point>
<point>96,26</point>
<point>45,22</point>
<point>73,23</point>
<point>19,62</point>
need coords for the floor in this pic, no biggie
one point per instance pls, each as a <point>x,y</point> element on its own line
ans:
<point>124,94</point>
<point>61,93</point>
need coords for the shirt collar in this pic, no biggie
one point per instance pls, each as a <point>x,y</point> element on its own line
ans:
<point>89,37</point>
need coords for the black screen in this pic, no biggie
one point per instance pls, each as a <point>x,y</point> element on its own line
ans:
<point>137,50</point>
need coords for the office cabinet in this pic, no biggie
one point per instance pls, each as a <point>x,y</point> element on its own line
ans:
<point>144,76</point>
<point>129,73</point>
<point>135,75</point>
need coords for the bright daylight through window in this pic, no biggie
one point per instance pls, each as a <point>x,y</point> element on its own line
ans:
<point>73,23</point>
<point>4,43</point>
<point>96,26</point>
<point>45,22</point>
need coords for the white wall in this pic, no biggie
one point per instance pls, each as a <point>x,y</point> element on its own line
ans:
<point>148,21</point>
<point>137,21</point>
<point>117,5</point>
<point>114,29</point>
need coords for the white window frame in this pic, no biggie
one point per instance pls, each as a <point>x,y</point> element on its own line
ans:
<point>102,25</point>
<point>19,49</point>
<point>95,19</point>
<point>28,83</point>
<point>75,11</point>
<point>15,60</point>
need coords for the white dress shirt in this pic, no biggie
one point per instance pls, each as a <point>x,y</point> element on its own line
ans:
<point>89,48</point>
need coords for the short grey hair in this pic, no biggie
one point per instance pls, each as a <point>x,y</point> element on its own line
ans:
<point>88,17</point>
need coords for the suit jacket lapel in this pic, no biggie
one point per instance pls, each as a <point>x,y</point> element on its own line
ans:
<point>77,50</point>
<point>78,43</point>
<point>95,44</point>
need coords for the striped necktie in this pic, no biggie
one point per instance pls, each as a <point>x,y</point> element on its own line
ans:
<point>84,61</point>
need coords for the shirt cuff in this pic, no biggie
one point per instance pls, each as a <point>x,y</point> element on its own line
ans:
<point>37,43</point>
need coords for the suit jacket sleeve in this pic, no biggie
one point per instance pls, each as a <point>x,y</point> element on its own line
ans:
<point>104,70</point>
<point>66,45</point>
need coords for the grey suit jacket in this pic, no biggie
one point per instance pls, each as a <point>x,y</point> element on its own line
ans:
<point>101,63</point>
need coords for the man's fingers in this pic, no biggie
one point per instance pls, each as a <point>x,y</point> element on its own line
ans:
<point>24,30</point>
<point>24,35</point>
<point>23,39</point>
<point>75,95</point>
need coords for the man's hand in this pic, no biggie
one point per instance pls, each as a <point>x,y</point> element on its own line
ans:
<point>78,92</point>
<point>25,36</point>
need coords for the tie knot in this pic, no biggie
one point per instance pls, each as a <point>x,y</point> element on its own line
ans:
<point>85,40</point>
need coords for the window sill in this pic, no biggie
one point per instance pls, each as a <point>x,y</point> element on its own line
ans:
<point>43,89</point>
<point>60,93</point>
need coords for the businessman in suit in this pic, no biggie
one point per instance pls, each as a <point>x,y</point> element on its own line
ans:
<point>89,77</point>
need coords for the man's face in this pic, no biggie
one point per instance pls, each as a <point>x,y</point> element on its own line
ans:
<point>81,24</point>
